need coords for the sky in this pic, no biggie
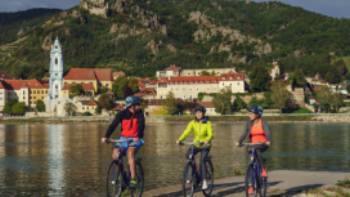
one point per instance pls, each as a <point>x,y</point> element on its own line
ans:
<point>335,8</point>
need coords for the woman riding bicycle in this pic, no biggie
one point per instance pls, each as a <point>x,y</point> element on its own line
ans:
<point>259,133</point>
<point>203,135</point>
<point>132,123</point>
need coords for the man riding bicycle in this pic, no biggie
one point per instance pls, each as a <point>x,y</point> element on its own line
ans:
<point>259,133</point>
<point>203,134</point>
<point>132,123</point>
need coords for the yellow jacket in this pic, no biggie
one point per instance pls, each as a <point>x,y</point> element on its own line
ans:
<point>202,130</point>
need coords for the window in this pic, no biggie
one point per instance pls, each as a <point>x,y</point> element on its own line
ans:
<point>56,60</point>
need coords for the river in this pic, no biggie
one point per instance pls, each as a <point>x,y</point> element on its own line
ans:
<point>68,159</point>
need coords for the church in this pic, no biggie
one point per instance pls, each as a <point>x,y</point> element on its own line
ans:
<point>92,80</point>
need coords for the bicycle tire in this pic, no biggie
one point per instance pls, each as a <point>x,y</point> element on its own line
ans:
<point>189,180</point>
<point>209,177</point>
<point>114,180</point>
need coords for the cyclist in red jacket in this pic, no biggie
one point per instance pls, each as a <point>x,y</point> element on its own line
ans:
<point>132,123</point>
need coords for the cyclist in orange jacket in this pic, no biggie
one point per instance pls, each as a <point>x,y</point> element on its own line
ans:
<point>258,132</point>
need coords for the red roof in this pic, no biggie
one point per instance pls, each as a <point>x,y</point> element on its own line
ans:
<point>18,84</point>
<point>203,79</point>
<point>173,67</point>
<point>86,86</point>
<point>99,74</point>
<point>89,103</point>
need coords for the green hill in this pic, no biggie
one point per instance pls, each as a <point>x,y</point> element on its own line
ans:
<point>140,37</point>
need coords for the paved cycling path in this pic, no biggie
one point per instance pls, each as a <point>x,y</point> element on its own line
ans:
<point>281,183</point>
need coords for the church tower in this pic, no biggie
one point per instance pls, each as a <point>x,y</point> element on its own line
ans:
<point>56,75</point>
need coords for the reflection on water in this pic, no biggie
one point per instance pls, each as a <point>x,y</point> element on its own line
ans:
<point>66,159</point>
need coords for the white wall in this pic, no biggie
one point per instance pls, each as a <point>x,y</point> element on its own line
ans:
<point>2,99</point>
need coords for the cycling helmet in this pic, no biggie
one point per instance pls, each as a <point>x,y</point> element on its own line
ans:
<point>200,108</point>
<point>132,100</point>
<point>256,109</point>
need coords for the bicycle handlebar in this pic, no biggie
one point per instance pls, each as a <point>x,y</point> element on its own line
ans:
<point>252,144</point>
<point>192,143</point>
<point>111,140</point>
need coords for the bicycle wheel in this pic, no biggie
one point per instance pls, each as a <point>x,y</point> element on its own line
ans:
<point>138,190</point>
<point>189,180</point>
<point>209,177</point>
<point>250,181</point>
<point>114,180</point>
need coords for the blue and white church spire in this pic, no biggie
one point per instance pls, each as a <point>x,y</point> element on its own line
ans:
<point>56,75</point>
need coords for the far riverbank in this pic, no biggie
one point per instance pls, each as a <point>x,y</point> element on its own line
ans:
<point>341,118</point>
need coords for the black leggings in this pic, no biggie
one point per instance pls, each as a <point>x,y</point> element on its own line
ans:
<point>259,151</point>
<point>191,153</point>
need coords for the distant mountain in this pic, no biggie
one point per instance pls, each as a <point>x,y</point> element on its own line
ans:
<point>140,37</point>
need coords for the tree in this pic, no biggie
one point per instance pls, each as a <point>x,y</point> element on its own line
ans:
<point>170,104</point>
<point>40,106</point>
<point>280,95</point>
<point>259,79</point>
<point>297,78</point>
<point>328,101</point>
<point>238,104</point>
<point>222,102</point>
<point>105,101</point>
<point>70,108</point>
<point>76,90</point>
<point>18,109</point>
<point>124,87</point>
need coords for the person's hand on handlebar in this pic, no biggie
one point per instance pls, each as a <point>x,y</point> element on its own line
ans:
<point>179,142</point>
<point>238,144</point>
<point>268,143</point>
<point>104,140</point>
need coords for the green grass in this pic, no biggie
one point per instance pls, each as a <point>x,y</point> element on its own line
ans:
<point>302,111</point>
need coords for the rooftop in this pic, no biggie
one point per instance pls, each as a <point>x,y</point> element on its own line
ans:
<point>99,74</point>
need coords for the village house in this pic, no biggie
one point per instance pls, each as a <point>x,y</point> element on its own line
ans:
<point>26,91</point>
<point>188,87</point>
<point>97,77</point>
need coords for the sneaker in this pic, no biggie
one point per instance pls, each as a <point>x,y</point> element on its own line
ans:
<point>204,185</point>
<point>133,183</point>
<point>264,172</point>
<point>250,190</point>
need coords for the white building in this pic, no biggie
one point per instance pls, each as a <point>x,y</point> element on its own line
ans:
<point>275,72</point>
<point>175,71</point>
<point>189,87</point>
<point>3,96</point>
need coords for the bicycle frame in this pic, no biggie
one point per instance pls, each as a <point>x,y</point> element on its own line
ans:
<point>256,166</point>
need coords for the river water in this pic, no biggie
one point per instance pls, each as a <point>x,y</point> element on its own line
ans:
<point>69,160</point>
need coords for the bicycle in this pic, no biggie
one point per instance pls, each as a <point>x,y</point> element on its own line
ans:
<point>192,179</point>
<point>118,177</point>
<point>253,175</point>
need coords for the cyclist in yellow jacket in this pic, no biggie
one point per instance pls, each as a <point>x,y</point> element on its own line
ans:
<point>202,130</point>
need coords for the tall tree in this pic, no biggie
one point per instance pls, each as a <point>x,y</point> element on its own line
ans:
<point>222,102</point>
<point>280,95</point>
<point>259,79</point>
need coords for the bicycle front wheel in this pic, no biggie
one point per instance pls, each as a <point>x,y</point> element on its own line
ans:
<point>114,182</point>
<point>138,190</point>
<point>189,180</point>
<point>209,177</point>
<point>251,187</point>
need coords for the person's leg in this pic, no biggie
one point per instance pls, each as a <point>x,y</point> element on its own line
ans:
<point>132,163</point>
<point>204,156</point>
<point>261,160</point>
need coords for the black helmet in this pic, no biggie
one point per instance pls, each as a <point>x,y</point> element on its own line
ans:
<point>200,108</point>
